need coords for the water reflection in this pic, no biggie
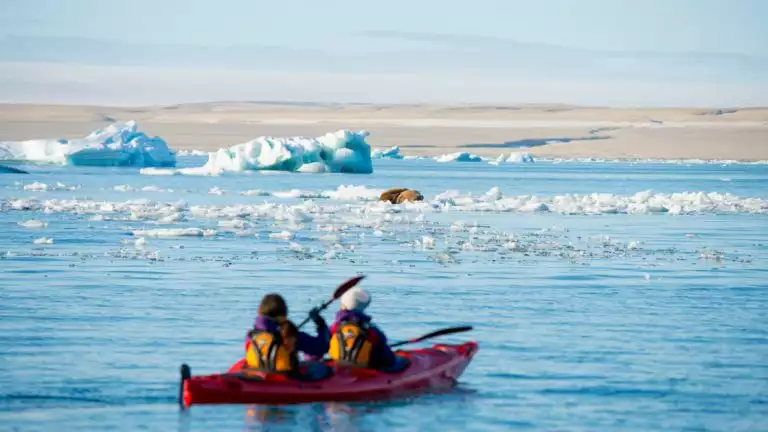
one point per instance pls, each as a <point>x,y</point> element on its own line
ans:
<point>349,417</point>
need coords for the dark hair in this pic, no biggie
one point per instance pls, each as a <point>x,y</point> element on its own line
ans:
<point>273,306</point>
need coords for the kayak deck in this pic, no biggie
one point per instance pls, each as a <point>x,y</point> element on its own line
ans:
<point>432,368</point>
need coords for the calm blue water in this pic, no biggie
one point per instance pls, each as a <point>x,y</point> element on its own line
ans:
<point>593,322</point>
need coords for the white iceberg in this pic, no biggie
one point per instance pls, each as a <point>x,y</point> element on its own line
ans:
<point>390,153</point>
<point>343,151</point>
<point>459,157</point>
<point>120,144</point>
<point>514,157</point>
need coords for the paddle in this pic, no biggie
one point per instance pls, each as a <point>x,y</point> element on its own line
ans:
<point>346,286</point>
<point>443,332</point>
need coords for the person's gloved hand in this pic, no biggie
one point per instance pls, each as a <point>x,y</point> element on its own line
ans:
<point>314,315</point>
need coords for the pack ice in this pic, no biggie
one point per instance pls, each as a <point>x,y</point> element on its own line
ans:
<point>119,144</point>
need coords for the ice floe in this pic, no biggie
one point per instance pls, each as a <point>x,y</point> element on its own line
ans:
<point>390,153</point>
<point>174,232</point>
<point>459,157</point>
<point>43,187</point>
<point>120,144</point>
<point>33,224</point>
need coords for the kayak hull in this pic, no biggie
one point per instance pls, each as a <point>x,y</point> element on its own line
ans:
<point>429,369</point>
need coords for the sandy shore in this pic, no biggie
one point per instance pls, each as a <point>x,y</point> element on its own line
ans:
<point>550,131</point>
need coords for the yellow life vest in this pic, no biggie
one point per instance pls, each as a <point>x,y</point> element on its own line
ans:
<point>351,343</point>
<point>267,352</point>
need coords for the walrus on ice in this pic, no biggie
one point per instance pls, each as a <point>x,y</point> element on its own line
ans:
<point>401,195</point>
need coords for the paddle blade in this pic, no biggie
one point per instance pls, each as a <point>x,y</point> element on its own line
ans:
<point>346,286</point>
<point>442,332</point>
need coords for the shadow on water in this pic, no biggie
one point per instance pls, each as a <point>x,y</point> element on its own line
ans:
<point>531,142</point>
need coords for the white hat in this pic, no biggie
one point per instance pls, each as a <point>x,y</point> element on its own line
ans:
<point>356,299</point>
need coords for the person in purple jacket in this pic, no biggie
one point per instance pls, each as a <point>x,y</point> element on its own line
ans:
<point>354,339</point>
<point>264,341</point>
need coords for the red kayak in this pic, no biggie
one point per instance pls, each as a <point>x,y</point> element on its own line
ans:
<point>427,369</point>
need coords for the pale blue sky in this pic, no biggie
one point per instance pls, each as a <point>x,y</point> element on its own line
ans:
<point>614,52</point>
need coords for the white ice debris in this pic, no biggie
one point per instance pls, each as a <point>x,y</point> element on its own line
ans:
<point>174,232</point>
<point>33,224</point>
<point>283,235</point>
<point>43,240</point>
<point>42,187</point>
<point>120,144</point>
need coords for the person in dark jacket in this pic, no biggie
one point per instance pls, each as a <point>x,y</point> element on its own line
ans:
<point>354,339</point>
<point>265,347</point>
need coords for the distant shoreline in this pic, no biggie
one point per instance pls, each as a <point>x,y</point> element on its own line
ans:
<point>544,130</point>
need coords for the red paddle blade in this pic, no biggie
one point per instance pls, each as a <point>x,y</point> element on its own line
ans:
<point>346,286</point>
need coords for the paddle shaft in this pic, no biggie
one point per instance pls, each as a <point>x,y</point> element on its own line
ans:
<point>442,332</point>
<point>340,290</point>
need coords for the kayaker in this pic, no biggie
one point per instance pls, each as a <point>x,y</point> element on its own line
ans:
<point>354,339</point>
<point>265,345</point>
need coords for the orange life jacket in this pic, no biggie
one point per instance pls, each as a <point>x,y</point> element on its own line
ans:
<point>352,342</point>
<point>266,352</point>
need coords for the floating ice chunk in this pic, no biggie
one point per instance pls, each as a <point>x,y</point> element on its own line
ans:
<point>43,240</point>
<point>159,171</point>
<point>124,188</point>
<point>427,242</point>
<point>215,191</point>
<point>174,232</point>
<point>232,224</point>
<point>520,157</point>
<point>343,151</point>
<point>459,157</point>
<point>296,193</point>
<point>120,144</point>
<point>140,242</point>
<point>448,197</point>
<point>353,193</point>
<point>33,224</point>
<point>390,153</point>
<point>283,235</point>
<point>192,153</point>
<point>155,189</point>
<point>36,186</point>
<point>313,168</point>
<point>494,194</point>
<point>255,192</point>
<point>40,187</point>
